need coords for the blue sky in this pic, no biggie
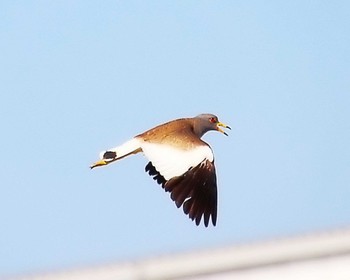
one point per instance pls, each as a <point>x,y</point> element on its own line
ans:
<point>78,77</point>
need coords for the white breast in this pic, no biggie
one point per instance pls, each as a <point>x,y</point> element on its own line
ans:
<point>171,161</point>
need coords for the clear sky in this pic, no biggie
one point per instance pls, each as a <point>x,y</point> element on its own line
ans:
<point>78,77</point>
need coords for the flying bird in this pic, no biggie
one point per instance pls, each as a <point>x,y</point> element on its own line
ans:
<point>179,161</point>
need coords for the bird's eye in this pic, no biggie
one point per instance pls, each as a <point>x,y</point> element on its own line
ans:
<point>213,120</point>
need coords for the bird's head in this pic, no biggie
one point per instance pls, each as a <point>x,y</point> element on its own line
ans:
<point>206,122</point>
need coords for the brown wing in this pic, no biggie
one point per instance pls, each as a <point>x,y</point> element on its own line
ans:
<point>196,190</point>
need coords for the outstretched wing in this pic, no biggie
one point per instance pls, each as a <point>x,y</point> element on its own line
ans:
<point>189,175</point>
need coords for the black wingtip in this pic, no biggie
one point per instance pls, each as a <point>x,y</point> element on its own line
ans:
<point>195,191</point>
<point>152,171</point>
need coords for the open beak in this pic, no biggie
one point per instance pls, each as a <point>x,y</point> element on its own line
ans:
<point>222,125</point>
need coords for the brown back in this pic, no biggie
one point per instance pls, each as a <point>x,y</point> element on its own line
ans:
<point>178,133</point>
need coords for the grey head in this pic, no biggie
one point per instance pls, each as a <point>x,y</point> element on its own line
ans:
<point>206,122</point>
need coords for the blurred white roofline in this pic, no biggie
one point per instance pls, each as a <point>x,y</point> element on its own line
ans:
<point>218,260</point>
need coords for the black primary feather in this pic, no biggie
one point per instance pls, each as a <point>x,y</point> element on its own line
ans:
<point>195,190</point>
